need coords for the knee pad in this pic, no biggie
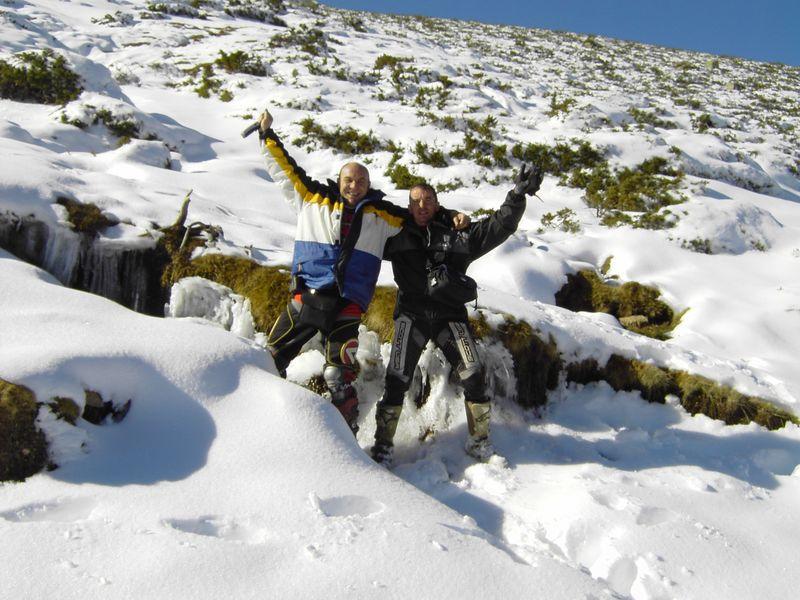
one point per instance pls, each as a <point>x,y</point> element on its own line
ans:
<point>336,377</point>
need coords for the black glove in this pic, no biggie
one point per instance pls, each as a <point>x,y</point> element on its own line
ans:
<point>528,180</point>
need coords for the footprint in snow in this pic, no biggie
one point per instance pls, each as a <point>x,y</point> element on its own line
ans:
<point>346,506</point>
<point>66,510</point>
<point>247,531</point>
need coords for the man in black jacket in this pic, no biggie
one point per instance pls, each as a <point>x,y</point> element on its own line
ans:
<point>429,260</point>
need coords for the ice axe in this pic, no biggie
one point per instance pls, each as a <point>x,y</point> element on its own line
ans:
<point>250,129</point>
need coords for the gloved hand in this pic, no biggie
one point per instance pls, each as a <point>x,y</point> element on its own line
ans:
<point>461,221</point>
<point>528,180</point>
<point>264,123</point>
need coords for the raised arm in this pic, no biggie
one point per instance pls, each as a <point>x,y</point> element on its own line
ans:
<point>296,185</point>
<point>486,235</point>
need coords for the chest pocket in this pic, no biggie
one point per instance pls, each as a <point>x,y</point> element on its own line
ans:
<point>447,244</point>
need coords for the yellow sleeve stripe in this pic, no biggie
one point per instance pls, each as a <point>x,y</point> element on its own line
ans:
<point>280,158</point>
<point>386,216</point>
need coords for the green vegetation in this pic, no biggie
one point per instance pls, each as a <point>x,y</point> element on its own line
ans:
<point>40,77</point>
<point>703,122</point>
<point>479,145</point>
<point>559,107</point>
<point>354,22</point>
<point>85,218</point>
<point>267,288</point>
<point>250,9</point>
<point>239,61</point>
<point>560,158</point>
<point>123,127</point>
<point>176,9</point>
<point>303,37</point>
<point>701,245</point>
<point>428,156</point>
<point>637,306</point>
<point>698,395</point>
<point>343,139</point>
<point>23,447</point>
<point>564,220</point>
<point>387,60</point>
<point>644,118</point>
<point>402,178</point>
<point>644,189</point>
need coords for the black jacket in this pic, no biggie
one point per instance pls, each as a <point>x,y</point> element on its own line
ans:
<point>416,248</point>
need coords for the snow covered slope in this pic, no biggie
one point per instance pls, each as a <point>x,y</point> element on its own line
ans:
<point>226,480</point>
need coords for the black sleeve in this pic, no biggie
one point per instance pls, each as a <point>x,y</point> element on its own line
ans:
<point>486,235</point>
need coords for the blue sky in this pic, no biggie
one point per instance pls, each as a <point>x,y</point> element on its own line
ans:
<point>768,30</point>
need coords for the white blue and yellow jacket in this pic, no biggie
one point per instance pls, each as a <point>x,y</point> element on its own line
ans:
<point>322,260</point>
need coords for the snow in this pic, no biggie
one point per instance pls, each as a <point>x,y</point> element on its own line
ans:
<point>226,480</point>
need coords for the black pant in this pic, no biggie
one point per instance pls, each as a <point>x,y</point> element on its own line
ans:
<point>288,335</point>
<point>454,338</point>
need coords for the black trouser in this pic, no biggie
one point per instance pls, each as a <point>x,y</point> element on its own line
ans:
<point>340,340</point>
<point>288,335</point>
<point>454,338</point>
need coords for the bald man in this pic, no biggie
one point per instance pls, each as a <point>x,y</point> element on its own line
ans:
<point>342,227</point>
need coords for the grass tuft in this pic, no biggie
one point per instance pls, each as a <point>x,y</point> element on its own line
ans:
<point>23,447</point>
<point>85,218</point>
<point>637,306</point>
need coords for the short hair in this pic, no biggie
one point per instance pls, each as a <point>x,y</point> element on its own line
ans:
<point>425,187</point>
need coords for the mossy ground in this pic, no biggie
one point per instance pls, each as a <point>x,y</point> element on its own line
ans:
<point>586,291</point>
<point>698,395</point>
<point>23,447</point>
<point>267,288</point>
<point>85,218</point>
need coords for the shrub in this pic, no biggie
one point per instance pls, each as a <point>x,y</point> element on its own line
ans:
<point>176,9</point>
<point>41,77</point>
<point>645,189</point>
<point>239,61</point>
<point>427,156</point>
<point>249,9</point>
<point>354,22</point>
<point>564,220</point>
<point>380,313</point>
<point>311,41</point>
<point>560,158</point>
<point>402,178</point>
<point>558,107</point>
<point>643,118</point>
<point>344,139</point>
<point>387,60</point>
<point>703,122</point>
<point>702,245</point>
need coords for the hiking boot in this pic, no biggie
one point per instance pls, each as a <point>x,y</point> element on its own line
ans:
<point>346,402</point>
<point>479,448</point>
<point>382,454</point>
<point>386,419</point>
<point>478,415</point>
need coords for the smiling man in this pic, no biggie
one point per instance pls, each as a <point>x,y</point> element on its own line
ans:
<point>342,227</point>
<point>430,259</point>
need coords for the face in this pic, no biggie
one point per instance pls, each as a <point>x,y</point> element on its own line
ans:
<point>353,183</point>
<point>423,206</point>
